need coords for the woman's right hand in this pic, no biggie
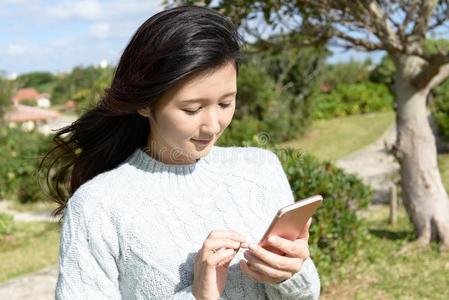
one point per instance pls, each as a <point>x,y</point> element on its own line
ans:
<point>211,263</point>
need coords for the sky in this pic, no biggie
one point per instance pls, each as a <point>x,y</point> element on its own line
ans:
<point>55,36</point>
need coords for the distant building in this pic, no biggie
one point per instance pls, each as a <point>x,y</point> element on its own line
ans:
<point>30,117</point>
<point>42,100</point>
<point>70,104</point>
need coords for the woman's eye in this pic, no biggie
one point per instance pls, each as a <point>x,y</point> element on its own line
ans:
<point>192,112</point>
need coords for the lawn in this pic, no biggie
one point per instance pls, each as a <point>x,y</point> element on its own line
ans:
<point>335,138</point>
<point>379,272</point>
<point>443,162</point>
<point>31,247</point>
<point>39,206</point>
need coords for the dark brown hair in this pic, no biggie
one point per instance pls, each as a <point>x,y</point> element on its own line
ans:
<point>169,47</point>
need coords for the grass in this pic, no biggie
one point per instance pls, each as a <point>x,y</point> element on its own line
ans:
<point>379,272</point>
<point>443,162</point>
<point>335,138</point>
<point>31,247</point>
<point>33,206</point>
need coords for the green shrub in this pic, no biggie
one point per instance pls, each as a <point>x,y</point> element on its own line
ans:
<point>440,109</point>
<point>336,232</point>
<point>265,114</point>
<point>350,99</point>
<point>30,102</point>
<point>384,71</point>
<point>6,225</point>
<point>345,73</point>
<point>242,132</point>
<point>21,154</point>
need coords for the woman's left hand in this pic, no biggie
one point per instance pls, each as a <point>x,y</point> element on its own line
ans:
<point>264,266</point>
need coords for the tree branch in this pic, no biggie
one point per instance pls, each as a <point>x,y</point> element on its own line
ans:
<point>421,24</point>
<point>359,43</point>
<point>434,73</point>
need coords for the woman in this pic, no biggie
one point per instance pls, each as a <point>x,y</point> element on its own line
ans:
<point>156,210</point>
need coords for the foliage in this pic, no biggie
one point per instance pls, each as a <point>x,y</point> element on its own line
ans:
<point>349,99</point>
<point>30,102</point>
<point>262,110</point>
<point>345,73</point>
<point>37,80</point>
<point>440,109</point>
<point>85,85</point>
<point>336,232</point>
<point>384,71</point>
<point>21,154</point>
<point>273,102</point>
<point>6,87</point>
<point>6,225</point>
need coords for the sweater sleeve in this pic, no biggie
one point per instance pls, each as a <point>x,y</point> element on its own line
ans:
<point>305,284</point>
<point>184,294</point>
<point>88,252</point>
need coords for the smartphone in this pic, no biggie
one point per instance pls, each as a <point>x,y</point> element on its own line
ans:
<point>290,220</point>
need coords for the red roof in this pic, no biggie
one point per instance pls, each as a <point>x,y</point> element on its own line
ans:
<point>30,113</point>
<point>27,93</point>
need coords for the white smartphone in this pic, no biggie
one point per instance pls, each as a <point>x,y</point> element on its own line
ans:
<point>290,221</point>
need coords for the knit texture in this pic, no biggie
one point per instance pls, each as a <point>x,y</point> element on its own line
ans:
<point>133,232</point>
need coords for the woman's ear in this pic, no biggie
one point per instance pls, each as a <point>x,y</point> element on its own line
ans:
<point>145,112</point>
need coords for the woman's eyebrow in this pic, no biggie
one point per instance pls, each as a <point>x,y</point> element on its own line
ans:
<point>203,99</point>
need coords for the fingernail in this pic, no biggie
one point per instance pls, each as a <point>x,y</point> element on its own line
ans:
<point>252,247</point>
<point>272,239</point>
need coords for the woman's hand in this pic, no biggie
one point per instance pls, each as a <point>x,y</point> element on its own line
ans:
<point>212,261</point>
<point>267,267</point>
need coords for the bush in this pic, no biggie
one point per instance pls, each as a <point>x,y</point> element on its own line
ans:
<point>440,109</point>
<point>265,114</point>
<point>384,71</point>
<point>336,232</point>
<point>350,99</point>
<point>345,73</point>
<point>6,225</point>
<point>21,154</point>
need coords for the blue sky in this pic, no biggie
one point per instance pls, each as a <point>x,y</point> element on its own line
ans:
<point>48,35</point>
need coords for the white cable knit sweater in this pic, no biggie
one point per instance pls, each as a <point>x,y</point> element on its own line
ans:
<point>133,232</point>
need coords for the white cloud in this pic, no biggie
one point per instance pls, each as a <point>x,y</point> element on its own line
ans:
<point>15,50</point>
<point>100,30</point>
<point>95,10</point>
<point>58,35</point>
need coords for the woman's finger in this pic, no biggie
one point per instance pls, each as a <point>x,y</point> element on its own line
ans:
<point>298,248</point>
<point>217,257</point>
<point>259,266</point>
<point>277,261</point>
<point>229,234</point>
<point>215,244</point>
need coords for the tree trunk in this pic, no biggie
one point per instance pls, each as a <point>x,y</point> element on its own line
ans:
<point>424,196</point>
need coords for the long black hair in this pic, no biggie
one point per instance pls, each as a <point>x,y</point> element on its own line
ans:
<point>171,46</point>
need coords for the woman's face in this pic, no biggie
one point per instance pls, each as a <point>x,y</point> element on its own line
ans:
<point>176,122</point>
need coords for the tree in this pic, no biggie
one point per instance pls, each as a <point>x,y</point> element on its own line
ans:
<point>5,95</point>
<point>399,27</point>
<point>38,80</point>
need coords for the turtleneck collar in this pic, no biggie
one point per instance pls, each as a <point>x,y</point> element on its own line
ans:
<point>205,172</point>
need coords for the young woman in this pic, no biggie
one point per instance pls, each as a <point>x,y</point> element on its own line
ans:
<point>156,210</point>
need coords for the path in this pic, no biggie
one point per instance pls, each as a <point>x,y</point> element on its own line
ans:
<point>31,216</point>
<point>374,165</point>
<point>36,286</point>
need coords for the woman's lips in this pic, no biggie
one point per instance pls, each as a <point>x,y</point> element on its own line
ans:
<point>202,142</point>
